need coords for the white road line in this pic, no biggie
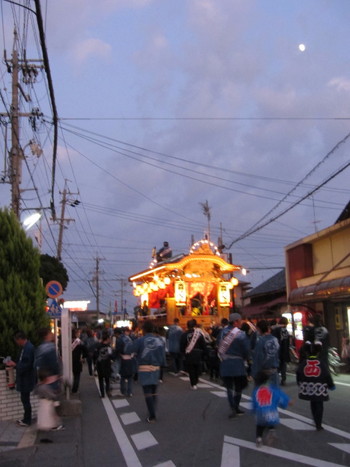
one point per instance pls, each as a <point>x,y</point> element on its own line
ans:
<point>230,456</point>
<point>280,453</point>
<point>129,418</point>
<point>341,384</point>
<point>336,431</point>
<point>166,464</point>
<point>144,440</point>
<point>120,403</point>
<point>126,448</point>
<point>296,424</point>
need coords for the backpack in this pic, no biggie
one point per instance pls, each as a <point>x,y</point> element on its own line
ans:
<point>104,353</point>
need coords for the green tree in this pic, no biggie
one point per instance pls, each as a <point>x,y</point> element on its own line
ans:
<point>22,295</point>
<point>51,269</point>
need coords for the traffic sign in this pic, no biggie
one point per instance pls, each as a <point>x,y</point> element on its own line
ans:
<point>54,310</point>
<point>53,289</point>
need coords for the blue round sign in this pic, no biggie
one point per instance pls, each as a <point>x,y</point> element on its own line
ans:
<point>53,289</point>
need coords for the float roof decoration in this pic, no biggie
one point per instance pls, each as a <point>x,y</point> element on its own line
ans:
<point>202,262</point>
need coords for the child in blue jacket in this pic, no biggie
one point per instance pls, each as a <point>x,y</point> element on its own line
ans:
<point>266,399</point>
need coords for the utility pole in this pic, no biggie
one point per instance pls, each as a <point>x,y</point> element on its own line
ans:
<point>123,283</point>
<point>16,153</point>
<point>15,160</point>
<point>97,276</point>
<point>62,220</point>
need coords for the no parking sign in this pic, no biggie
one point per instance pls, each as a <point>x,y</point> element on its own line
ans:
<point>53,289</point>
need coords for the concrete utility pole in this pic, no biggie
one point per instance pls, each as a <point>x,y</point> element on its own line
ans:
<point>62,220</point>
<point>123,283</point>
<point>16,153</point>
<point>97,277</point>
<point>16,156</point>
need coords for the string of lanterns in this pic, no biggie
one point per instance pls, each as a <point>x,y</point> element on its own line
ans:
<point>152,286</point>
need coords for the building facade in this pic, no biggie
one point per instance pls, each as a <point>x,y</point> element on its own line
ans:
<point>318,278</point>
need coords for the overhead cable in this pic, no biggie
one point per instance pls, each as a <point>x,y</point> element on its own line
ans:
<point>53,103</point>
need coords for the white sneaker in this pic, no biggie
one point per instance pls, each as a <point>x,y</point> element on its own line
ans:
<point>58,428</point>
<point>195,387</point>
<point>259,442</point>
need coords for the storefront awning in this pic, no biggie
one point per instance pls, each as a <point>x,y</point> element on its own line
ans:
<point>251,311</point>
<point>335,288</point>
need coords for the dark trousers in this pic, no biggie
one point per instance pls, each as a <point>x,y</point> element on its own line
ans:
<point>102,382</point>
<point>126,385</point>
<point>76,381</point>
<point>25,399</point>
<point>150,392</point>
<point>89,363</point>
<point>261,428</point>
<point>194,370</point>
<point>234,386</point>
<point>317,412</point>
<point>176,359</point>
<point>283,371</point>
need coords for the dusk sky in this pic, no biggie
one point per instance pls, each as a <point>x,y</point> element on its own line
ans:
<point>166,104</point>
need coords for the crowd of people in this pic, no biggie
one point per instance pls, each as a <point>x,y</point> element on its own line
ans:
<point>233,354</point>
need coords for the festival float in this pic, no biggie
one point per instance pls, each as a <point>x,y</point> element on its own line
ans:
<point>197,285</point>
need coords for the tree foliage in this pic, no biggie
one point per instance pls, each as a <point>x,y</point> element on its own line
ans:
<point>51,269</point>
<point>22,295</point>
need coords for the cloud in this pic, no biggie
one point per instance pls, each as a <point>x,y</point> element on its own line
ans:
<point>154,52</point>
<point>340,83</point>
<point>91,48</point>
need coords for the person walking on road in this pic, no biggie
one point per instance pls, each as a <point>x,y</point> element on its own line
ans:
<point>150,354</point>
<point>174,337</point>
<point>321,335</point>
<point>127,362</point>
<point>25,375</point>
<point>46,358</point>
<point>103,363</point>
<point>233,350</point>
<point>316,331</point>
<point>314,381</point>
<point>193,346</point>
<point>281,333</point>
<point>48,367</point>
<point>90,344</point>
<point>78,353</point>
<point>266,399</point>
<point>266,353</point>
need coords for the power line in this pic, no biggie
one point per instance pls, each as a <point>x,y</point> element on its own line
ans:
<point>168,156</point>
<point>332,151</point>
<point>310,193</point>
<point>53,102</point>
<point>203,118</point>
<point>107,145</point>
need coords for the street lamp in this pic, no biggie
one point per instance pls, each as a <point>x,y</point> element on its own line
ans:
<point>31,220</point>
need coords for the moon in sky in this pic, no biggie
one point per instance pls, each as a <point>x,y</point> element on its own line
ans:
<point>302,47</point>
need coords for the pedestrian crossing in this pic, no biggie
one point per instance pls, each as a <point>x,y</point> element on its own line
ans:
<point>145,439</point>
<point>231,444</point>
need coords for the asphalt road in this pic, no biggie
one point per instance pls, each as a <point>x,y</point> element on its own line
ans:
<point>193,429</point>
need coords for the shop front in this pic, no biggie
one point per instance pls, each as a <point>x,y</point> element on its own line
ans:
<point>330,299</point>
<point>318,278</point>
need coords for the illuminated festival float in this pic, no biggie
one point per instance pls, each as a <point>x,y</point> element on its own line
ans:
<point>197,285</point>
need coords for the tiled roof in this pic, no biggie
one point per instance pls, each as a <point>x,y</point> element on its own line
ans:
<point>345,214</point>
<point>276,283</point>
